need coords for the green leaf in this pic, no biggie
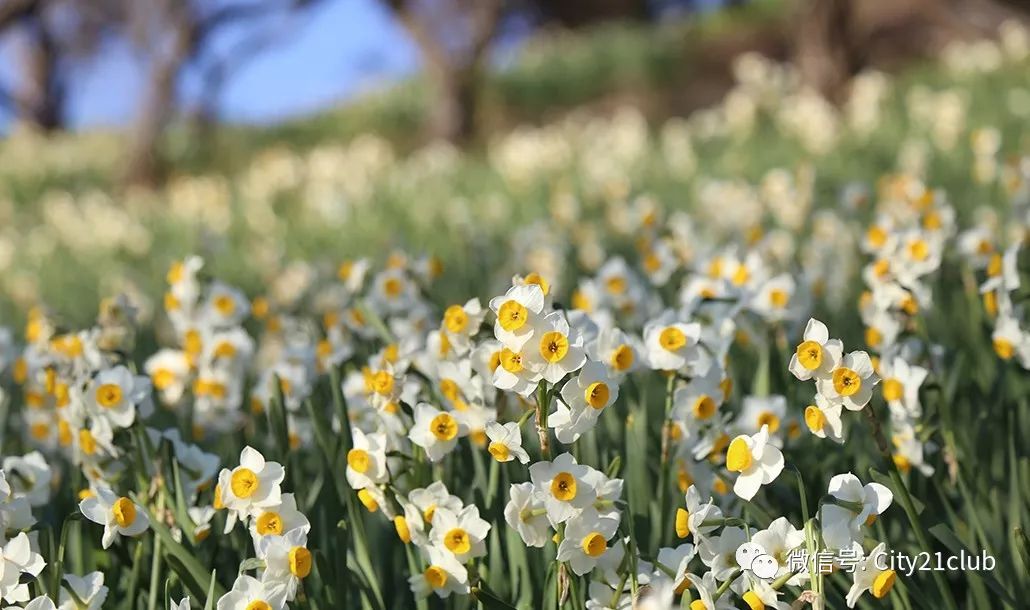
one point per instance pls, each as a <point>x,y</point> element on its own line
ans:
<point>944,534</point>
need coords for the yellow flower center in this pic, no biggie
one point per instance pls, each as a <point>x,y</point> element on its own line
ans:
<point>538,280</point>
<point>563,487</point>
<point>163,379</point>
<point>444,427</point>
<point>919,250</point>
<point>400,524</point>
<point>300,561</point>
<point>368,500</point>
<point>883,583</point>
<point>814,418</point>
<point>449,389</point>
<point>994,265</point>
<point>225,304</point>
<point>738,456</point>
<point>616,284</point>
<point>393,287</point>
<point>893,390</point>
<point>778,298</point>
<point>428,513</point>
<point>455,319</point>
<point>753,601</point>
<point>554,346</point>
<point>109,395</point>
<point>124,512</point>
<point>457,541</point>
<point>358,460</point>
<point>269,523</point>
<point>740,276</point>
<point>382,383</point>
<point>597,395</point>
<point>510,361</point>
<point>244,483</point>
<point>512,315</point>
<point>876,236</point>
<point>1004,348</point>
<point>622,358</point>
<point>846,381</point>
<point>436,577</point>
<point>499,451</point>
<point>87,443</point>
<point>704,407</point>
<point>768,418</point>
<point>682,523</point>
<point>594,544</point>
<point>810,355</point>
<point>672,339</point>
<point>258,604</point>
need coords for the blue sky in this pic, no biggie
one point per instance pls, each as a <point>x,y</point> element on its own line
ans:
<point>323,56</point>
<point>320,58</point>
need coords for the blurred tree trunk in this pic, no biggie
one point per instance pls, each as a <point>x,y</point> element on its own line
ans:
<point>453,38</point>
<point>41,99</point>
<point>835,39</point>
<point>159,101</point>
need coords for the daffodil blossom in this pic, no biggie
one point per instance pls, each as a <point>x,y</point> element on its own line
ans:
<point>366,460</point>
<point>249,593</point>
<point>584,398</point>
<point>118,515</point>
<point>850,382</point>
<point>872,575</point>
<point>526,513</point>
<point>816,355</point>
<point>506,442</point>
<point>435,431</point>
<point>564,487</point>
<point>462,533</point>
<point>756,460</point>
<point>586,540</point>
<point>251,486</point>
<point>842,524</point>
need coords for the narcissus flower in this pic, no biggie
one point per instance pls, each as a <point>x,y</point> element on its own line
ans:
<point>860,505</point>
<point>444,575</point>
<point>817,354</point>
<point>824,420</point>
<point>526,514</point>
<point>850,383</point>
<point>249,593</point>
<point>670,343</point>
<point>463,533</point>
<point>366,461</point>
<point>586,540</point>
<point>436,431</point>
<point>556,349</point>
<point>88,589</point>
<point>756,460</point>
<point>506,442</point>
<point>118,515</point>
<point>872,575</point>
<point>17,559</point>
<point>564,486</point>
<point>517,312</point>
<point>287,560</point>
<point>116,393</point>
<point>689,520</point>
<point>584,398</point>
<point>251,486</point>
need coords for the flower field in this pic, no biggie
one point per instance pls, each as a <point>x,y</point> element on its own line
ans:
<point>583,368</point>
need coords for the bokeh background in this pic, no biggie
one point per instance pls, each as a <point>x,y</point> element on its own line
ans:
<point>259,132</point>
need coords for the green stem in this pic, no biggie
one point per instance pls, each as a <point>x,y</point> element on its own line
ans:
<point>543,404</point>
<point>663,473</point>
<point>908,505</point>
